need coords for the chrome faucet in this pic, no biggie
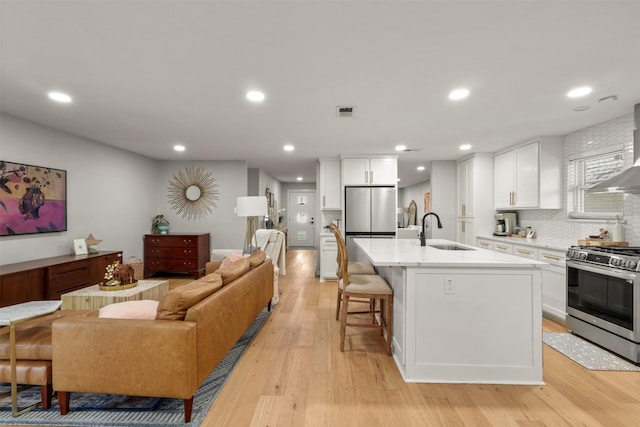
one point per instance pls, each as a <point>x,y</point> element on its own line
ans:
<point>423,235</point>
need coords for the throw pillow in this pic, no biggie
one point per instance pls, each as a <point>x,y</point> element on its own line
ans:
<point>229,259</point>
<point>256,258</point>
<point>175,304</point>
<point>233,271</point>
<point>143,309</point>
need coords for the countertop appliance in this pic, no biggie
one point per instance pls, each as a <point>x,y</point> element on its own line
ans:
<point>368,212</point>
<point>505,222</point>
<point>603,297</point>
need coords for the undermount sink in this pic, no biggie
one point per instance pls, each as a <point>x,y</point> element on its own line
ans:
<point>451,248</point>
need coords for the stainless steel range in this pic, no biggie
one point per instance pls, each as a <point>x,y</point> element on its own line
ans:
<point>603,297</point>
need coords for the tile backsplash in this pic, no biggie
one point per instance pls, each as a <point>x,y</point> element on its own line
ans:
<point>554,223</point>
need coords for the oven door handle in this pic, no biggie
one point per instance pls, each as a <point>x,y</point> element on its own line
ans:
<point>604,271</point>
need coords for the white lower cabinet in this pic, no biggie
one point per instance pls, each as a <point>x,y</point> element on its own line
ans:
<point>554,284</point>
<point>328,258</point>
<point>554,274</point>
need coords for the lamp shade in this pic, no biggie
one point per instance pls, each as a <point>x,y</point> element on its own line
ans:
<point>251,206</point>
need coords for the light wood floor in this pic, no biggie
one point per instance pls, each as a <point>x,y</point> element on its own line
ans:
<point>294,374</point>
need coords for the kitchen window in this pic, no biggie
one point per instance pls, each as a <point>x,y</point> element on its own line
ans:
<point>587,170</point>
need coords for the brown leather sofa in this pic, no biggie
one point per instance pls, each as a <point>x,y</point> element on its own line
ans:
<point>161,358</point>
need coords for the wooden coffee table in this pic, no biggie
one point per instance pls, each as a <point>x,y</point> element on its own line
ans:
<point>92,298</point>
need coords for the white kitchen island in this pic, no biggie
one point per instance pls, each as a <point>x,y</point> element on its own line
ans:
<point>461,316</point>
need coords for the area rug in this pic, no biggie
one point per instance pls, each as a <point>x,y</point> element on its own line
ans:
<point>119,411</point>
<point>586,354</point>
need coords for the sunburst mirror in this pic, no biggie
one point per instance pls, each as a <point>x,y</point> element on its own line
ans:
<point>193,193</point>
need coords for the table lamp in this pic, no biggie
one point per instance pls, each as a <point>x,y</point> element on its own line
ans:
<point>252,207</point>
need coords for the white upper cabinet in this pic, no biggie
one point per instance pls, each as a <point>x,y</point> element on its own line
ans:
<point>474,210</point>
<point>530,175</point>
<point>330,184</point>
<point>370,171</point>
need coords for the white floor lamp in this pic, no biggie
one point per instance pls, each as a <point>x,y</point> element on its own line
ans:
<point>252,207</point>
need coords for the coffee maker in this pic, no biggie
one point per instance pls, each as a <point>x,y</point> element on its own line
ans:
<point>505,221</point>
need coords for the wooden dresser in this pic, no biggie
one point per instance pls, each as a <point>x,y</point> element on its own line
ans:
<point>177,253</point>
<point>48,278</point>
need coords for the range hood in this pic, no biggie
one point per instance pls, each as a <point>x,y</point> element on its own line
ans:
<point>629,180</point>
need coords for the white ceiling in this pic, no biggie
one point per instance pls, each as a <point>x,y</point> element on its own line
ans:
<point>145,75</point>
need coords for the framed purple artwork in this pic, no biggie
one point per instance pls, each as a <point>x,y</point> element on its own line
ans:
<point>33,199</point>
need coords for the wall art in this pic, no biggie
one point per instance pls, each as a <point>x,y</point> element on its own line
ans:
<point>33,199</point>
<point>193,193</point>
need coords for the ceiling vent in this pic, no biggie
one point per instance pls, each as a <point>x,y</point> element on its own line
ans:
<point>345,111</point>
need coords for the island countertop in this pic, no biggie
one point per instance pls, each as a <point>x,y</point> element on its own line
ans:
<point>409,253</point>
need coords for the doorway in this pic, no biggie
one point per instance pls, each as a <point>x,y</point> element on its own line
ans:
<point>301,211</point>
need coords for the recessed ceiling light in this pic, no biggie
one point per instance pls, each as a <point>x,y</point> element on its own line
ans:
<point>60,97</point>
<point>581,108</point>
<point>288,147</point>
<point>465,147</point>
<point>420,168</point>
<point>255,96</point>
<point>459,94</point>
<point>179,147</point>
<point>401,147</point>
<point>299,178</point>
<point>579,91</point>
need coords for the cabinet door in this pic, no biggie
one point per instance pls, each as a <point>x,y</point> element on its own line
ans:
<point>504,179</point>
<point>527,176</point>
<point>328,259</point>
<point>464,231</point>
<point>330,184</point>
<point>383,172</point>
<point>554,292</point>
<point>465,188</point>
<point>355,171</point>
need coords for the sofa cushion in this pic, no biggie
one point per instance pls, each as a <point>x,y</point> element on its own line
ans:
<point>143,309</point>
<point>256,258</point>
<point>175,304</point>
<point>231,258</point>
<point>233,271</point>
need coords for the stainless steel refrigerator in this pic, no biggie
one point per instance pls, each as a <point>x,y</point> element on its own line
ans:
<point>370,211</point>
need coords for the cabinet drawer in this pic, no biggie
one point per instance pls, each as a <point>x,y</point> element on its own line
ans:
<point>165,252</point>
<point>171,264</point>
<point>172,241</point>
<point>525,251</point>
<point>67,276</point>
<point>506,248</point>
<point>485,244</point>
<point>552,257</point>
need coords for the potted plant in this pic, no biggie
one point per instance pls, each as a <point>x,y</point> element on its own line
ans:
<point>159,224</point>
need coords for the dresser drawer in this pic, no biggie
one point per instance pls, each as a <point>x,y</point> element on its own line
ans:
<point>165,252</point>
<point>170,264</point>
<point>172,241</point>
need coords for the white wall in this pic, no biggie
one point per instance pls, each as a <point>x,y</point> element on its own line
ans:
<point>110,192</point>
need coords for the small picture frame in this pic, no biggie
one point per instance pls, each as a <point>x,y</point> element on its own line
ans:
<point>80,247</point>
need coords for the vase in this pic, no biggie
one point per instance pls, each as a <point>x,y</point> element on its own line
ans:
<point>163,229</point>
